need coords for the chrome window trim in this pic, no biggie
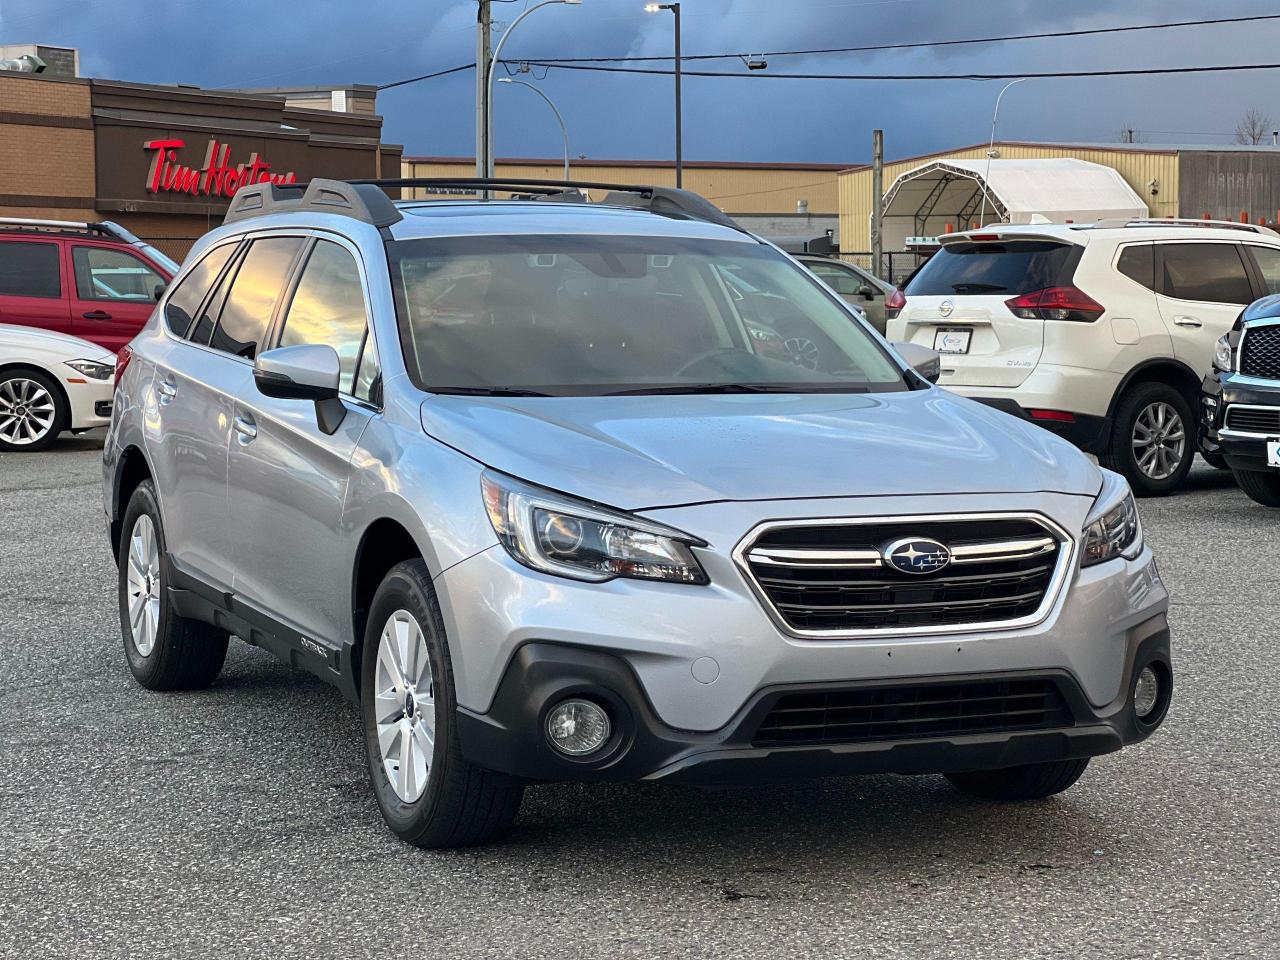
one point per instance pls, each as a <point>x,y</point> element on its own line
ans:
<point>1067,562</point>
<point>1247,434</point>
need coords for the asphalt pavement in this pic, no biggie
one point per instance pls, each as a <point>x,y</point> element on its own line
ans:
<point>238,821</point>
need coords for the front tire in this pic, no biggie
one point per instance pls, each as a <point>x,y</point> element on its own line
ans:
<point>164,651</point>
<point>1263,488</point>
<point>1031,781</point>
<point>32,410</point>
<point>429,795</point>
<point>1152,439</point>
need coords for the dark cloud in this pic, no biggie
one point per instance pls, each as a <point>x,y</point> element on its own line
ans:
<point>219,44</point>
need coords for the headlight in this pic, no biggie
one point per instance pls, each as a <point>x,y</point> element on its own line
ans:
<point>92,369</point>
<point>1223,355</point>
<point>569,538</point>
<point>1113,529</point>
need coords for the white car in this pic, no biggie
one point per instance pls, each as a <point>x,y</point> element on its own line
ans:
<point>1098,332</point>
<point>50,382</point>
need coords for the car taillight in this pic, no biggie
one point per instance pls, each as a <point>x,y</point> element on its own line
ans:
<point>122,364</point>
<point>893,304</point>
<point>1056,303</point>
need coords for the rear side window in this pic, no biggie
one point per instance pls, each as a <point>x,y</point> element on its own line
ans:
<point>1268,261</point>
<point>1016,267</point>
<point>253,295</point>
<point>1211,272</point>
<point>29,270</point>
<point>180,310</point>
<point>1138,263</point>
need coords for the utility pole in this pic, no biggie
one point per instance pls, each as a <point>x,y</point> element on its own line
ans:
<point>484,26</point>
<point>675,8</point>
<point>877,202</point>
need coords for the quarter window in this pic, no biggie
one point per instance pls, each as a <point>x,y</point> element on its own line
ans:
<point>29,270</point>
<point>106,274</point>
<point>328,307</point>
<point>1268,261</point>
<point>253,295</point>
<point>1138,263</point>
<point>1211,272</point>
<point>180,309</point>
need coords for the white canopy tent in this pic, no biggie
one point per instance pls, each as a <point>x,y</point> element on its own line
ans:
<point>950,194</point>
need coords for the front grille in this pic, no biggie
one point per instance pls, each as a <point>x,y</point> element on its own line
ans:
<point>914,712</point>
<point>1254,419</point>
<point>831,579</point>
<point>1260,352</point>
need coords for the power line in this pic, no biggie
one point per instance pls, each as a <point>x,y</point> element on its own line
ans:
<point>1058,34</point>
<point>426,76</point>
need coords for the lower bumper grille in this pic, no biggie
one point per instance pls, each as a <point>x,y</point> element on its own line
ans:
<point>1254,419</point>
<point>914,712</point>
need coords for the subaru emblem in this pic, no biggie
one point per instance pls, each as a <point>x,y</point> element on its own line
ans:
<point>916,555</point>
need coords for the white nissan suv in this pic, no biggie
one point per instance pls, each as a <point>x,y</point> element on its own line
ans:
<point>1099,332</point>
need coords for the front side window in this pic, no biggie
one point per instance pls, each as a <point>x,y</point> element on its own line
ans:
<point>29,270</point>
<point>253,295</point>
<point>1008,268</point>
<point>1268,261</point>
<point>844,282</point>
<point>1211,272</point>
<point>328,307</point>
<point>106,274</point>
<point>591,315</point>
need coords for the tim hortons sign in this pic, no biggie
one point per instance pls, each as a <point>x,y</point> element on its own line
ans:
<point>216,178</point>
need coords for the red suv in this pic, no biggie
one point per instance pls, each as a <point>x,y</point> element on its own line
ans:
<point>96,281</point>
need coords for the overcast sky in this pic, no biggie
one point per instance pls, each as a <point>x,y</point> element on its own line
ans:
<point>219,43</point>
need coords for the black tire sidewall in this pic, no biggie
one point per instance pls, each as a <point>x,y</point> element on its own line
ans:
<point>1122,455</point>
<point>408,587</point>
<point>61,410</point>
<point>143,502</point>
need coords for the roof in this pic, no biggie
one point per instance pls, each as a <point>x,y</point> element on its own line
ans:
<point>662,164</point>
<point>1020,191</point>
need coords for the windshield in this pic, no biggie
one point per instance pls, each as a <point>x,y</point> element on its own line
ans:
<point>592,315</point>
<point>1015,267</point>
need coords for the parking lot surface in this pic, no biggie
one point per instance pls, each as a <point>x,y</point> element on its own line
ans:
<point>238,821</point>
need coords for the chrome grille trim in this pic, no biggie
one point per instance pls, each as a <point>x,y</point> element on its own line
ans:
<point>1057,539</point>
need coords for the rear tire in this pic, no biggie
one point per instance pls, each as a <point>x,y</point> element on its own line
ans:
<point>429,795</point>
<point>32,410</point>
<point>1263,488</point>
<point>1032,781</point>
<point>1152,439</point>
<point>165,651</point>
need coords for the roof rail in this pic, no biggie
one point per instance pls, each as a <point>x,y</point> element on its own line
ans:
<point>78,226</point>
<point>355,199</point>
<point>1119,222</point>
<point>664,201</point>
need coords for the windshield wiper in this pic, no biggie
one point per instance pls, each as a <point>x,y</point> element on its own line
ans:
<point>488,392</point>
<point>677,388</point>
<point>978,288</point>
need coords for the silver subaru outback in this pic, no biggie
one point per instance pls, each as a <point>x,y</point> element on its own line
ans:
<point>568,490</point>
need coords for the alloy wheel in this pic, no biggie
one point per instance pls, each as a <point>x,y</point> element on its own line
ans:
<point>1159,440</point>
<point>144,585</point>
<point>27,412</point>
<point>803,352</point>
<point>405,705</point>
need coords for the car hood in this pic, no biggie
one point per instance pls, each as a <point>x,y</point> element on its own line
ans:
<point>13,337</point>
<point>662,451</point>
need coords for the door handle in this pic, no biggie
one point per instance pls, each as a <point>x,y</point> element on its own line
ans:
<point>167,390</point>
<point>246,429</point>
<point>1187,322</point>
<point>96,315</point>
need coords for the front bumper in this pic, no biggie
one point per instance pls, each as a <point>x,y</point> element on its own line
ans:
<point>1242,450</point>
<point>90,402</point>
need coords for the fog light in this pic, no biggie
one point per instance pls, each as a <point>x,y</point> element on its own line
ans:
<point>1146,693</point>
<point>578,727</point>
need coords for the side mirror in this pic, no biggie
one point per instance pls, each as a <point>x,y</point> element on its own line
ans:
<point>158,292</point>
<point>923,360</point>
<point>306,371</point>
<point>866,292</point>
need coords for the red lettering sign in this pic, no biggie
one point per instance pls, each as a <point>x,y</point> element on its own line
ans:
<point>217,178</point>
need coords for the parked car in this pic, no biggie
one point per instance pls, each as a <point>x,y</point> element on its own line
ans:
<point>522,480</point>
<point>859,287</point>
<point>1098,332</point>
<point>50,382</point>
<point>95,281</point>
<point>1240,403</point>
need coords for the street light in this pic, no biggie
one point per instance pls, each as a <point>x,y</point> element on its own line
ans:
<point>564,131</point>
<point>675,9</point>
<point>991,147</point>
<point>492,67</point>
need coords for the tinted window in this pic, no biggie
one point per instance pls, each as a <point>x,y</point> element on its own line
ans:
<point>328,307</point>
<point>994,268</point>
<point>253,295</point>
<point>1268,261</point>
<point>1138,263</point>
<point>185,300</point>
<point>1212,272</point>
<point>106,274</point>
<point>29,270</point>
